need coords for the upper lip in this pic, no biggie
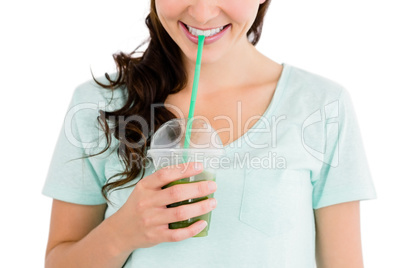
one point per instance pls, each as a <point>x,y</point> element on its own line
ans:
<point>204,29</point>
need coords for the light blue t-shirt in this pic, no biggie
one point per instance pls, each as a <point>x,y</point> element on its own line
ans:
<point>304,153</point>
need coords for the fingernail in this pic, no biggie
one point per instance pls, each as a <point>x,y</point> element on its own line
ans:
<point>203,225</point>
<point>211,185</point>
<point>212,202</point>
<point>198,166</point>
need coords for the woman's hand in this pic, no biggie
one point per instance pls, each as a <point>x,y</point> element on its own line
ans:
<point>143,221</point>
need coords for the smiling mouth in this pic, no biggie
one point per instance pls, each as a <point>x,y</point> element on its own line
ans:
<point>206,33</point>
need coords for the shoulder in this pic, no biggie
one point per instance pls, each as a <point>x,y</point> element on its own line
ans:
<point>87,101</point>
<point>312,85</point>
<point>90,93</point>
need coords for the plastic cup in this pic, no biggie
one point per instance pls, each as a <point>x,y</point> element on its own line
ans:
<point>205,146</point>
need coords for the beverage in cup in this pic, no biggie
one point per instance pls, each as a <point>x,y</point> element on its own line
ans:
<point>205,146</point>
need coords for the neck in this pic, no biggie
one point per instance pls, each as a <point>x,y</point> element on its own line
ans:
<point>233,69</point>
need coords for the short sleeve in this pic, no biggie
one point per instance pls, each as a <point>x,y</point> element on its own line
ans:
<point>71,176</point>
<point>345,175</point>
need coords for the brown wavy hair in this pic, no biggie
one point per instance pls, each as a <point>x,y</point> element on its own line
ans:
<point>148,79</point>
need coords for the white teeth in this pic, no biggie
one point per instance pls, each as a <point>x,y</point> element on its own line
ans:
<point>206,33</point>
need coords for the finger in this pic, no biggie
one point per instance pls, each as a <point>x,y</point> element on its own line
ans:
<point>177,235</point>
<point>168,174</point>
<point>185,212</point>
<point>182,192</point>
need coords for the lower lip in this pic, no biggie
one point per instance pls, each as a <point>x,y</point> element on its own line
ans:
<point>208,40</point>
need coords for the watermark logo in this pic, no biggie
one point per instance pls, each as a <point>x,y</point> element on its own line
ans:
<point>270,160</point>
<point>265,130</point>
<point>330,120</point>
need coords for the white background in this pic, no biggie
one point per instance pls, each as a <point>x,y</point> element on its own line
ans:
<point>47,49</point>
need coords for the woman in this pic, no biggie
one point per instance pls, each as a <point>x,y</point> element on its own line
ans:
<point>302,209</point>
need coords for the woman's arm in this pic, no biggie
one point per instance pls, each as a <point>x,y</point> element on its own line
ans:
<point>79,237</point>
<point>338,242</point>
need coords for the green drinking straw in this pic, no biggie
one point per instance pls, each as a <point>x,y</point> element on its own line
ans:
<point>201,39</point>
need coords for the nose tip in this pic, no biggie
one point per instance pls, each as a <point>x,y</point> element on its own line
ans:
<point>202,11</point>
